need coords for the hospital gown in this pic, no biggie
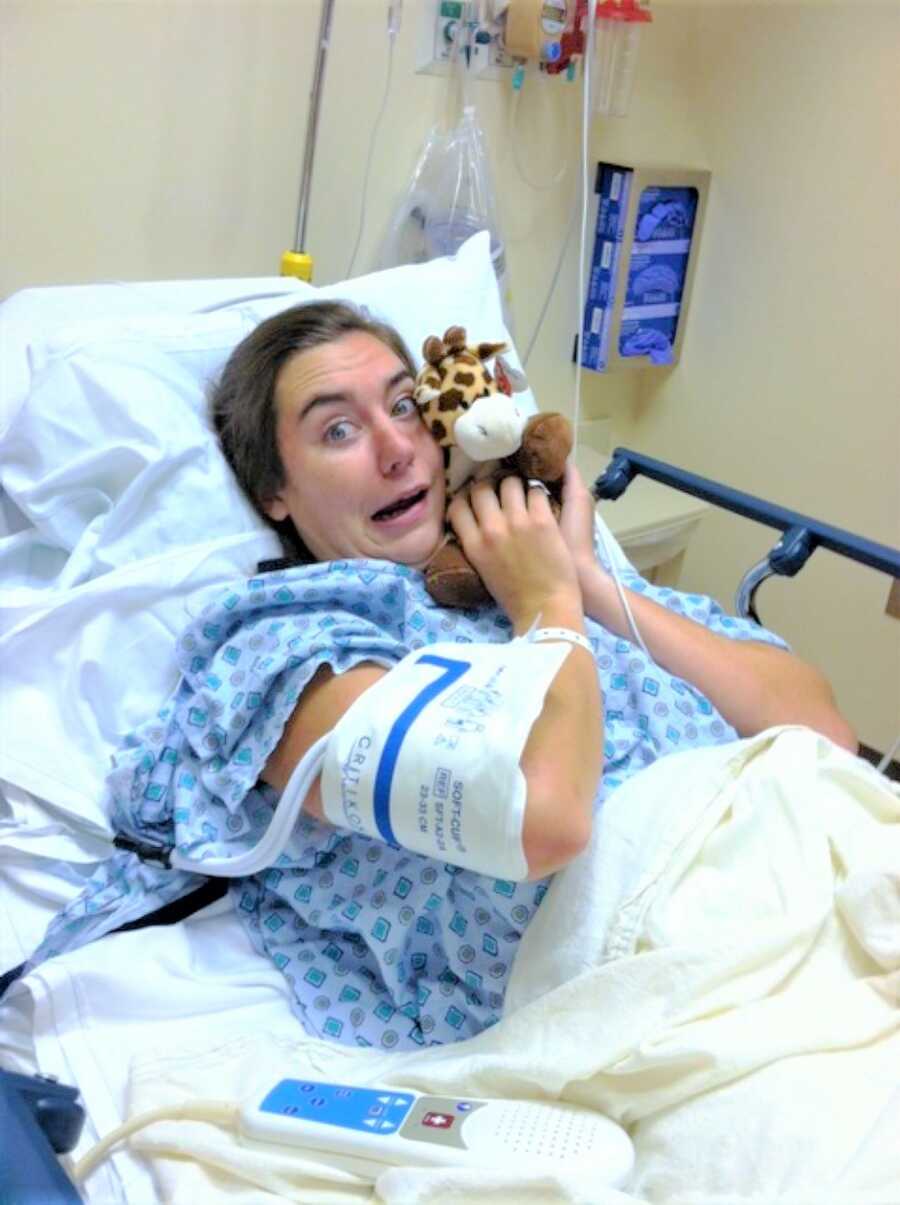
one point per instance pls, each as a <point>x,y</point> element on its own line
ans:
<point>380,946</point>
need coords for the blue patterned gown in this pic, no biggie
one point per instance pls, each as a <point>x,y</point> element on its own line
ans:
<point>379,945</point>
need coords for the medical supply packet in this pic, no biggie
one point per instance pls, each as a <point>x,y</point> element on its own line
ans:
<point>646,234</point>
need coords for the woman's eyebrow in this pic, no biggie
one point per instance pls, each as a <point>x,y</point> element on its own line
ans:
<point>392,382</point>
<point>322,399</point>
<point>325,399</point>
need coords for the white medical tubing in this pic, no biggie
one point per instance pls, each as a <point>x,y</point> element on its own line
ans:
<point>538,186</point>
<point>284,818</point>
<point>393,26</point>
<point>395,15</point>
<point>582,251</point>
<point>553,283</point>
<point>582,245</point>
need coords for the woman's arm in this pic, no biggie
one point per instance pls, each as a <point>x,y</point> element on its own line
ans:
<point>753,685</point>
<point>516,545</point>
<point>321,705</point>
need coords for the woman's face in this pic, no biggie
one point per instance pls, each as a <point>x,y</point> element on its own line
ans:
<point>363,476</point>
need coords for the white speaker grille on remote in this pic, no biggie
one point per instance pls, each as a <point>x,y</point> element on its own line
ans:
<point>549,1131</point>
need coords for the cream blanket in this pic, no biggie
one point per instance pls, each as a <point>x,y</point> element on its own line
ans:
<point>719,972</point>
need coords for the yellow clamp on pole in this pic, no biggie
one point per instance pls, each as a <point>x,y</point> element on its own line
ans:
<point>296,263</point>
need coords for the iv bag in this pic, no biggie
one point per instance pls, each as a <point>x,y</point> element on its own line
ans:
<point>450,198</point>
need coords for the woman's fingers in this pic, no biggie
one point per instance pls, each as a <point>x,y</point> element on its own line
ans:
<point>576,520</point>
<point>461,516</point>
<point>573,484</point>
<point>483,500</point>
<point>511,537</point>
<point>518,498</point>
<point>538,500</point>
<point>514,497</point>
<point>484,504</point>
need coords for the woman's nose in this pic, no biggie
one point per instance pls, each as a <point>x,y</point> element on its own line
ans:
<point>396,447</point>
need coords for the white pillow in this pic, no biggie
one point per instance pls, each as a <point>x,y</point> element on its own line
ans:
<point>111,456</point>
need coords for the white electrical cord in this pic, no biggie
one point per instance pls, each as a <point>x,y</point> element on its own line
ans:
<point>220,1112</point>
<point>394,10</point>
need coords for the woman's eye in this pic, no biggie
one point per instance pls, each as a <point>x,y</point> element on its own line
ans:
<point>338,432</point>
<point>405,406</point>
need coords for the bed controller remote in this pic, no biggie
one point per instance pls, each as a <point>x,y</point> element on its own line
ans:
<point>399,1126</point>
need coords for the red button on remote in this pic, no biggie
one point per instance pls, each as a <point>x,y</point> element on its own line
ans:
<point>440,1121</point>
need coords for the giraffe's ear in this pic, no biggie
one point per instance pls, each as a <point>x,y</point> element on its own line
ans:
<point>509,380</point>
<point>485,351</point>
<point>433,349</point>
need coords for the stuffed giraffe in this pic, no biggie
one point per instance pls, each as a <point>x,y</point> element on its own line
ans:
<point>482,432</point>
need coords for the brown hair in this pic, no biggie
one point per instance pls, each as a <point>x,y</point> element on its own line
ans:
<point>242,403</point>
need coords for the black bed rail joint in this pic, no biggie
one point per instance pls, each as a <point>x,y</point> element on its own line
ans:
<point>792,551</point>
<point>616,478</point>
<point>786,559</point>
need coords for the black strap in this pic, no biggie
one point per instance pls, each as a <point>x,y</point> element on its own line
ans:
<point>186,905</point>
<point>276,564</point>
<point>8,978</point>
<point>208,892</point>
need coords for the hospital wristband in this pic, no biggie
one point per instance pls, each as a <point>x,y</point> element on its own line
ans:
<point>562,634</point>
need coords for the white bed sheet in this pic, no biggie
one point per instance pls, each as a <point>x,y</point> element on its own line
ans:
<point>720,972</point>
<point>87,1020</point>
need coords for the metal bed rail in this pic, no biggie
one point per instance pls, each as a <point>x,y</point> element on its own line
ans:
<point>802,534</point>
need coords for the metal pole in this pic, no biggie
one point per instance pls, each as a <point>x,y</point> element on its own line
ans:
<point>312,123</point>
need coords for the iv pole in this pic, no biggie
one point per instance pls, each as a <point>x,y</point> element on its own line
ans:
<point>297,262</point>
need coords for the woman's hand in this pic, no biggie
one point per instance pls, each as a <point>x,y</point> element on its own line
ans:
<point>518,548</point>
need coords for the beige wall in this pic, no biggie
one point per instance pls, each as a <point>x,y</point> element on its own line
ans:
<point>162,138</point>
<point>789,387</point>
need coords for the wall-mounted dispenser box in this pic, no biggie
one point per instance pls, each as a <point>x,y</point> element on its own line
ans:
<point>646,236</point>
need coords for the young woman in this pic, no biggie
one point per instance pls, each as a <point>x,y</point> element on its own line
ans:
<point>315,413</point>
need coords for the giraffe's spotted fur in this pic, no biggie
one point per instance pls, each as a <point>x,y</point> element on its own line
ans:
<point>452,378</point>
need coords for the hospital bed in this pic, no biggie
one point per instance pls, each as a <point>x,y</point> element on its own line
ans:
<point>766,1068</point>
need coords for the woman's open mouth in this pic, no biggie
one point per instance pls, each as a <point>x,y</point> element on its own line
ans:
<point>405,511</point>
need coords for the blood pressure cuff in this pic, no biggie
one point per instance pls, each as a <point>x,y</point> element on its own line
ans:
<point>428,757</point>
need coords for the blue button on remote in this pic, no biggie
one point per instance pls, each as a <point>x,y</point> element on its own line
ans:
<point>367,1109</point>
